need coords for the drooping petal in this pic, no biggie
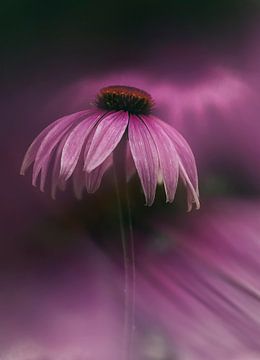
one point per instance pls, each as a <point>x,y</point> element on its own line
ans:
<point>188,169</point>
<point>44,172</point>
<point>192,194</point>
<point>186,156</point>
<point>145,156</point>
<point>52,138</point>
<point>184,151</point>
<point>168,158</point>
<point>78,177</point>
<point>94,178</point>
<point>107,135</point>
<point>57,182</point>
<point>74,143</point>
<point>32,150</point>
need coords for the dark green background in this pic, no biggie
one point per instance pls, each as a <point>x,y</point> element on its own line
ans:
<point>102,33</point>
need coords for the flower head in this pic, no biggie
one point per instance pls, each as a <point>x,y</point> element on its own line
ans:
<point>126,98</point>
<point>84,144</point>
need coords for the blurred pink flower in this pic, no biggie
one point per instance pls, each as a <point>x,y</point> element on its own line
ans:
<point>198,295</point>
<point>70,312</point>
<point>84,143</point>
<point>198,286</point>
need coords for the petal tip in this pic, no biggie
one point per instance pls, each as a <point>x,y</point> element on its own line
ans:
<point>190,205</point>
<point>23,169</point>
<point>149,203</point>
<point>64,175</point>
<point>90,167</point>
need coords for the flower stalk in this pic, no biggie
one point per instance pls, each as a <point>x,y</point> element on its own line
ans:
<point>127,239</point>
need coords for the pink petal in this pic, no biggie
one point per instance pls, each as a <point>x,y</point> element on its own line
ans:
<point>94,178</point>
<point>32,150</point>
<point>44,171</point>
<point>107,136</point>
<point>184,151</point>
<point>192,196</point>
<point>187,158</point>
<point>188,169</point>
<point>56,180</point>
<point>74,143</point>
<point>168,158</point>
<point>78,177</point>
<point>145,156</point>
<point>52,139</point>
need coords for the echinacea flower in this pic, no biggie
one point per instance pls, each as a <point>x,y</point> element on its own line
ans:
<point>84,143</point>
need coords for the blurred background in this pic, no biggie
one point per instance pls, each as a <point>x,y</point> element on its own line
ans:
<point>61,278</point>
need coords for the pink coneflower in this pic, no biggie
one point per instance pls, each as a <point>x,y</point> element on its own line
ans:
<point>84,144</point>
